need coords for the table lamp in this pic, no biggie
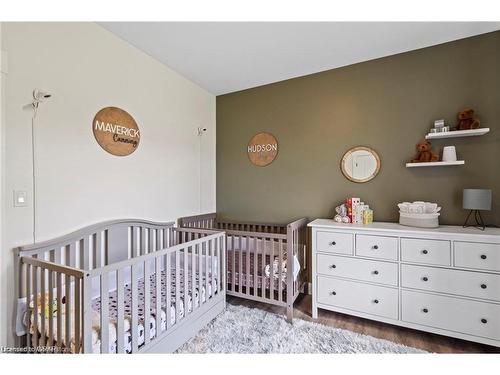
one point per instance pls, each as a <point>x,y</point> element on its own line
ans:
<point>476,200</point>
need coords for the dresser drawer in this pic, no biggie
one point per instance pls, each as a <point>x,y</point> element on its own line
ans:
<point>482,256</point>
<point>453,314</point>
<point>379,247</point>
<point>462,283</point>
<point>370,299</point>
<point>332,242</point>
<point>426,251</point>
<point>358,269</point>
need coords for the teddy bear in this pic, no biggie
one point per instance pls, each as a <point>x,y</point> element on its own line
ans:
<point>467,121</point>
<point>424,153</point>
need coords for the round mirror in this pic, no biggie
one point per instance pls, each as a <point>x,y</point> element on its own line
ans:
<point>360,164</point>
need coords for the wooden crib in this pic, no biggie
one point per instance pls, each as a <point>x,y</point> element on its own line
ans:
<point>91,291</point>
<point>261,258</point>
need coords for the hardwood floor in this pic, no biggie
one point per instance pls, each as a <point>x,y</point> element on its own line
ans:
<point>410,337</point>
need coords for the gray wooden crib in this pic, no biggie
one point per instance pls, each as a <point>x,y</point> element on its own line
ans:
<point>265,262</point>
<point>124,286</point>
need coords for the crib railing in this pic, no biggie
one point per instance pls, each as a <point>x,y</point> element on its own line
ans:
<point>189,260</point>
<point>211,221</point>
<point>263,249</point>
<point>55,279</point>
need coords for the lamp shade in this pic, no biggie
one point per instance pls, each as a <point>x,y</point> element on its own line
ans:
<point>477,199</point>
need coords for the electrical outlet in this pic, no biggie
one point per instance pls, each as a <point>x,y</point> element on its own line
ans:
<point>20,198</point>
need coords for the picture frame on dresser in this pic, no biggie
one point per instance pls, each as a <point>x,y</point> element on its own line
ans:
<point>411,277</point>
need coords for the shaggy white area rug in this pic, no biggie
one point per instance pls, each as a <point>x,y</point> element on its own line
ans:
<point>241,329</point>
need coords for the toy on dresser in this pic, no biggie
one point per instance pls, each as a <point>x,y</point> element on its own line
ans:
<point>353,211</point>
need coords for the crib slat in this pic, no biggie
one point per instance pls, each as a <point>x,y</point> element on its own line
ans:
<point>186,282</point>
<point>158,295</point>
<point>134,308</point>
<point>67,314</point>
<point>87,315</point>
<point>177,286</point>
<point>104,313</point>
<point>77,315</point>
<point>222,266</point>
<point>98,250</point>
<point>147,302</point>
<point>233,267</point>
<point>206,269</point>
<point>257,245</point>
<point>43,331</point>
<point>212,260</point>
<point>240,262</point>
<point>35,305</point>
<point>120,316</point>
<point>105,247</point>
<point>168,296</point>
<point>86,253</point>
<point>271,269</point>
<point>28,300</point>
<point>193,276</point>
<point>200,272</point>
<point>280,270</point>
<point>51,308</point>
<point>143,241</point>
<point>59,309</point>
<point>247,271</point>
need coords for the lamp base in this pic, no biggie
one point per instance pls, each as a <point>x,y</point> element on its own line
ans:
<point>479,224</point>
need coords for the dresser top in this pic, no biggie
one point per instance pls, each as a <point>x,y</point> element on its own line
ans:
<point>381,227</point>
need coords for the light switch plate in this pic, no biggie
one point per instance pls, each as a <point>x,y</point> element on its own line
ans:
<point>20,198</point>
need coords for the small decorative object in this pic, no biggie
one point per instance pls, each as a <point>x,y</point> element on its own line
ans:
<point>419,214</point>
<point>341,216</point>
<point>439,123</point>
<point>360,164</point>
<point>449,153</point>
<point>476,200</point>
<point>424,153</point>
<point>466,120</point>
<point>353,211</point>
<point>116,131</point>
<point>262,149</point>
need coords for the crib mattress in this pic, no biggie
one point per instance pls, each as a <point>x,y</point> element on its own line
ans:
<point>113,311</point>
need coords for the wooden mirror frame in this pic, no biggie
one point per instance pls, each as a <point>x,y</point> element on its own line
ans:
<point>349,152</point>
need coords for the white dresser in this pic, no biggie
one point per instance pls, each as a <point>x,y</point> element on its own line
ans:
<point>444,280</point>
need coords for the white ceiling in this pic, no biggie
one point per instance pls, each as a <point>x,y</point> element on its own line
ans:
<point>232,56</point>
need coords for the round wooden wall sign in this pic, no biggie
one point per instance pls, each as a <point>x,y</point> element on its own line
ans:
<point>116,131</point>
<point>262,149</point>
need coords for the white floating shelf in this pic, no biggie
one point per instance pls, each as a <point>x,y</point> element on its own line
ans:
<point>435,164</point>
<point>458,133</point>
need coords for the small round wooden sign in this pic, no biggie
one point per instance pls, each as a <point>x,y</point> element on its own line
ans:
<point>116,131</point>
<point>262,149</point>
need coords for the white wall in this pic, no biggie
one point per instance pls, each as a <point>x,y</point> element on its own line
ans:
<point>86,68</point>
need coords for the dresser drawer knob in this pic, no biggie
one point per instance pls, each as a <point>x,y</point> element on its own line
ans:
<point>424,252</point>
<point>375,301</point>
<point>483,256</point>
<point>375,272</point>
<point>425,278</point>
<point>425,310</point>
<point>375,247</point>
<point>333,293</point>
<point>483,286</point>
<point>484,321</point>
<point>333,266</point>
<point>333,243</point>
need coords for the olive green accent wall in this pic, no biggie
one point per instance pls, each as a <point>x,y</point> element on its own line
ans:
<point>387,104</point>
